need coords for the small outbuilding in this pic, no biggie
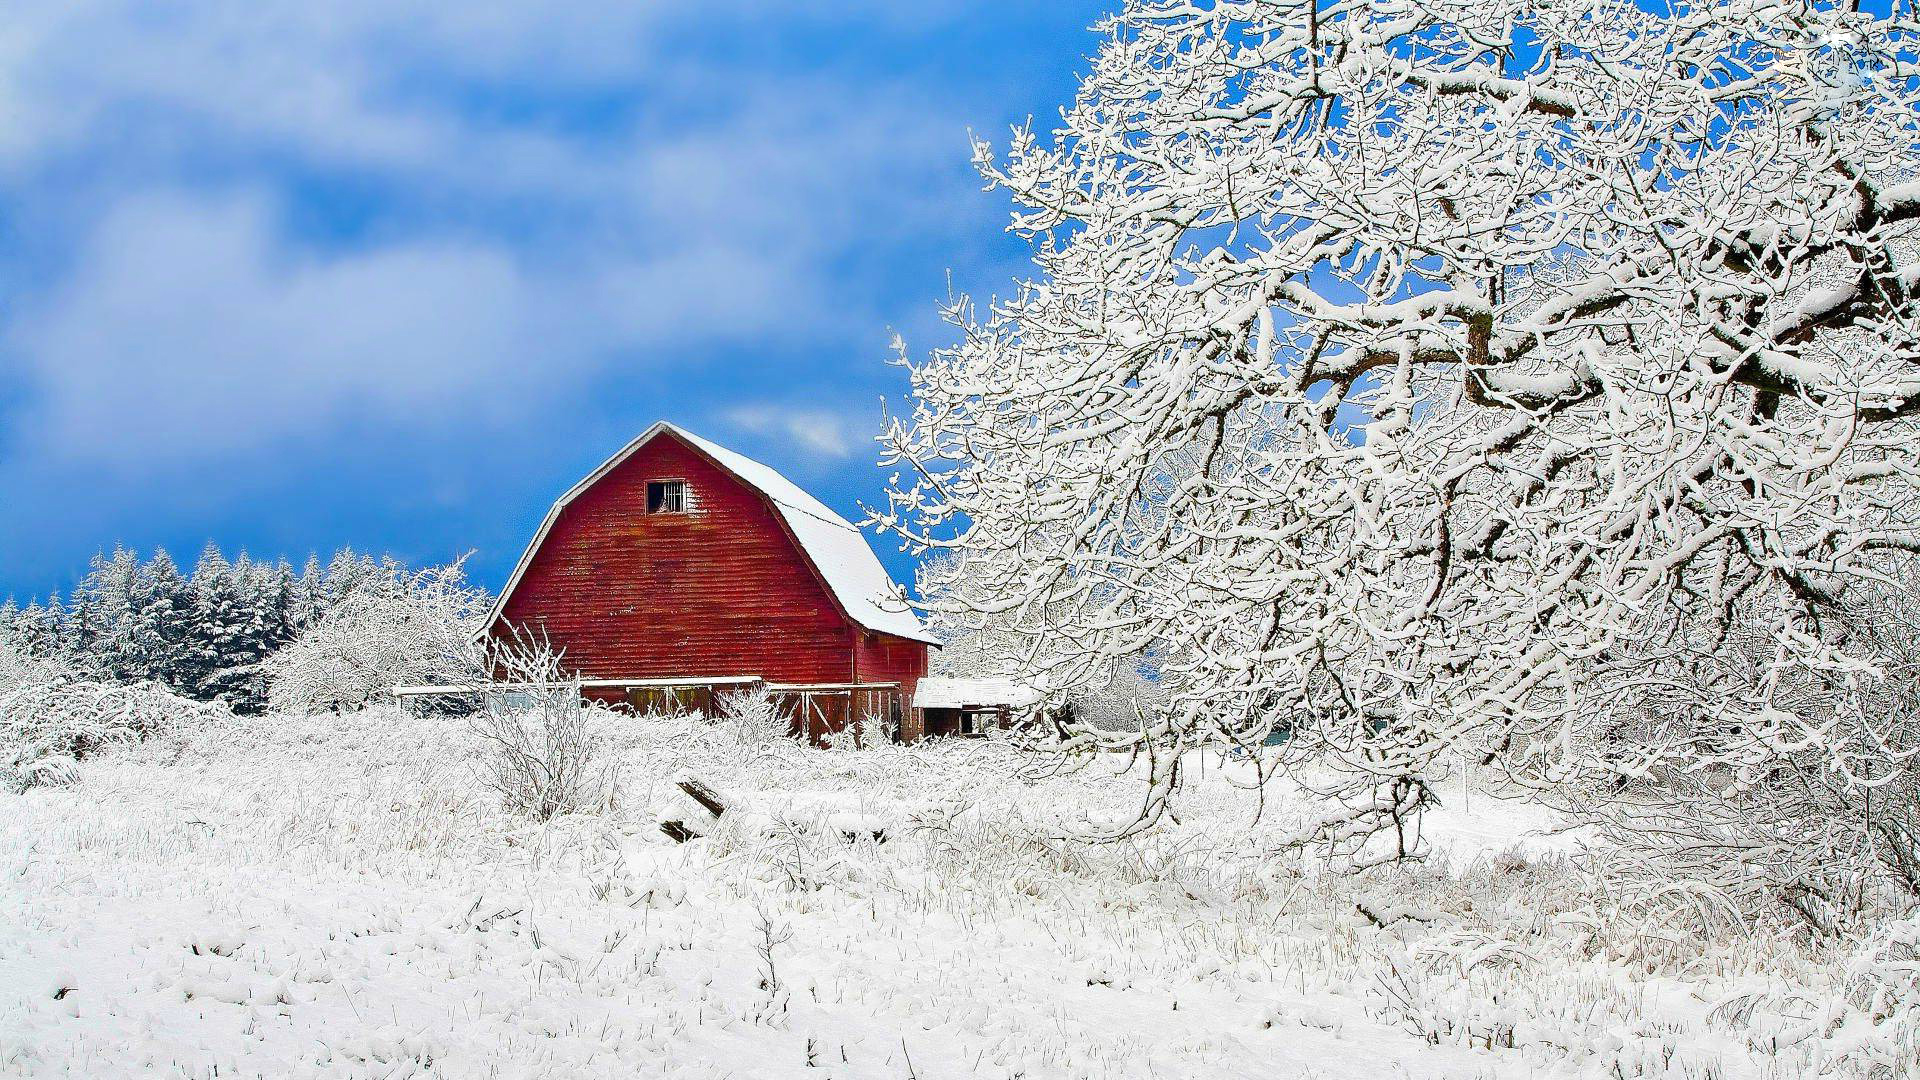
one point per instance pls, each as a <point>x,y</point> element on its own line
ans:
<point>952,706</point>
<point>680,569</point>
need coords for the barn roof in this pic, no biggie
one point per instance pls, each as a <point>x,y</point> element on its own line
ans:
<point>853,574</point>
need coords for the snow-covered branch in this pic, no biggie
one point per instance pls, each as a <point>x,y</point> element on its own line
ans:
<point>1388,362</point>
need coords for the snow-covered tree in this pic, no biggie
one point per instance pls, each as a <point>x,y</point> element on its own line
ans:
<point>157,626</point>
<point>106,596</point>
<point>216,627</point>
<point>40,630</point>
<point>208,635</point>
<point>415,628</point>
<point>241,614</point>
<point>1809,810</point>
<point>987,644</point>
<point>1493,325</point>
<point>350,573</point>
<point>269,595</point>
<point>308,595</point>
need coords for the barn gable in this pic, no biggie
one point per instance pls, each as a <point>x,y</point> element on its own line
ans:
<point>830,551</point>
<point>837,550</point>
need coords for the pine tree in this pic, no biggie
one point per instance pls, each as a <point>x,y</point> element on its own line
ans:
<point>348,574</point>
<point>38,627</point>
<point>309,599</point>
<point>56,636</point>
<point>159,619</point>
<point>82,625</point>
<point>107,593</point>
<point>258,624</point>
<point>270,591</point>
<point>215,631</point>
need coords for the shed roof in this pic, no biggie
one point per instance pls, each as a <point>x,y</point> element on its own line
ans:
<point>851,571</point>
<point>941,692</point>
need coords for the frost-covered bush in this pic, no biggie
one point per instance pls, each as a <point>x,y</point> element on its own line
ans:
<point>21,665</point>
<point>50,716</point>
<point>1120,704</point>
<point>416,628</point>
<point>544,751</point>
<point>1886,968</point>
<point>1738,788</point>
<point>752,718</point>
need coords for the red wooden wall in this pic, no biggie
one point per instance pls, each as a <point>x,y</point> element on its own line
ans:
<point>884,658</point>
<point>720,590</point>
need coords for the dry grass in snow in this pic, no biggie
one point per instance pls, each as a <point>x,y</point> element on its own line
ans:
<point>338,897</point>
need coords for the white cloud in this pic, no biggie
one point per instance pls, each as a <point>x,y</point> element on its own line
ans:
<point>192,327</point>
<point>815,432</point>
<point>402,86</point>
<point>184,309</point>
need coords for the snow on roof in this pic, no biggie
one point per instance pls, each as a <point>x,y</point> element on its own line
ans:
<point>940,692</point>
<point>835,547</point>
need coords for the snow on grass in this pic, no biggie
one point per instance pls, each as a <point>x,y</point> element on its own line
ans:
<point>336,897</point>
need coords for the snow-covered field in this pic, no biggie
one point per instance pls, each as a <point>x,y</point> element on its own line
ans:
<point>333,896</point>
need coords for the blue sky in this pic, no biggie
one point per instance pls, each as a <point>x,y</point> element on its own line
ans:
<point>393,275</point>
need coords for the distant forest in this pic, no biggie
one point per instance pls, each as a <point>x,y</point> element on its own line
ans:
<point>204,635</point>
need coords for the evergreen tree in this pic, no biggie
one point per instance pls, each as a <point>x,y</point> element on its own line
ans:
<point>245,617</point>
<point>350,573</point>
<point>38,628</point>
<point>107,650</point>
<point>216,630</point>
<point>56,635</point>
<point>270,591</point>
<point>82,625</point>
<point>309,600</point>
<point>159,621</point>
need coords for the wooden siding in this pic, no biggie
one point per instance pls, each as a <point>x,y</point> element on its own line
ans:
<point>720,590</point>
<point>885,658</point>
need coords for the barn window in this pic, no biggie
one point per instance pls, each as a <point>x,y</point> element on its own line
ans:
<point>666,496</point>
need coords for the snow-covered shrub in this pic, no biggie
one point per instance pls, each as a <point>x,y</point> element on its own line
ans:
<point>417,628</point>
<point>1731,786</point>
<point>1886,969</point>
<point>544,750</point>
<point>22,665</point>
<point>752,718</point>
<point>50,716</point>
<point>879,726</point>
<point>1122,703</point>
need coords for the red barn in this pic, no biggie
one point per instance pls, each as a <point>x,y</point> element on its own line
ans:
<point>680,568</point>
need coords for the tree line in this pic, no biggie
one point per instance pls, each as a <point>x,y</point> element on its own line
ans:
<point>204,634</point>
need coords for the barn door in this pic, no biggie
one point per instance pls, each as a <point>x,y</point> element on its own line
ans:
<point>819,713</point>
<point>805,718</point>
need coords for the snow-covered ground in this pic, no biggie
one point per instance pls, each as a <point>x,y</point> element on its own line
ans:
<point>335,897</point>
